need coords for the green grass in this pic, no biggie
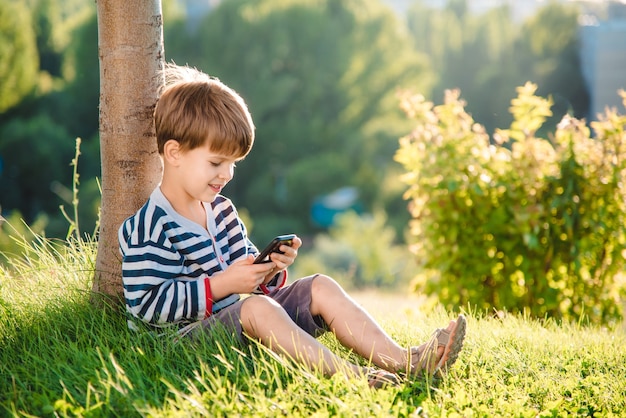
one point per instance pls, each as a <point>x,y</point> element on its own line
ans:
<point>60,356</point>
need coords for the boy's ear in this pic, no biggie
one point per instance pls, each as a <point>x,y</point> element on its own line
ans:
<point>171,151</point>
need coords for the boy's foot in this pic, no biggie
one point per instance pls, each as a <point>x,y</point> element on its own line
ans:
<point>452,341</point>
<point>378,378</point>
<point>440,352</point>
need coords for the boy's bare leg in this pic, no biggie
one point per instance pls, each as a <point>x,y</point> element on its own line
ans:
<point>355,328</point>
<point>265,320</point>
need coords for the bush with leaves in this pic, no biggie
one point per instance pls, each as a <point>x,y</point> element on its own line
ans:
<point>520,223</point>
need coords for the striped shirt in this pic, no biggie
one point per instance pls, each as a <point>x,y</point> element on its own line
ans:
<point>168,260</point>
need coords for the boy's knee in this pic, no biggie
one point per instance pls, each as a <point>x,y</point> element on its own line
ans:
<point>257,308</point>
<point>321,282</point>
<point>258,305</point>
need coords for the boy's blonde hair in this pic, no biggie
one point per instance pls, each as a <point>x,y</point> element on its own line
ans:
<point>196,109</point>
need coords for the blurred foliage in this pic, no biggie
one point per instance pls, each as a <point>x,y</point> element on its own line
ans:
<point>18,49</point>
<point>359,252</point>
<point>320,80</point>
<point>37,133</point>
<point>529,224</point>
<point>320,77</point>
<point>323,86</point>
<point>24,154</point>
<point>487,55</point>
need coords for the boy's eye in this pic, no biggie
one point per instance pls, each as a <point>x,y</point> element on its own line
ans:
<point>219,163</point>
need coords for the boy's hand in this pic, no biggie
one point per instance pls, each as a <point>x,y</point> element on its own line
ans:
<point>282,261</point>
<point>242,276</point>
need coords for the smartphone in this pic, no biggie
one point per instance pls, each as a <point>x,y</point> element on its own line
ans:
<point>273,246</point>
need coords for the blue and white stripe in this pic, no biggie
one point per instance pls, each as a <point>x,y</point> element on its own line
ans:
<point>167,257</point>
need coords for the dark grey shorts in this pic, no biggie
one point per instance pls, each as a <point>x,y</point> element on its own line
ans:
<point>295,299</point>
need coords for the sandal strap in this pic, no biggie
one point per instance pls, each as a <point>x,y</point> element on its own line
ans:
<point>442,336</point>
<point>423,359</point>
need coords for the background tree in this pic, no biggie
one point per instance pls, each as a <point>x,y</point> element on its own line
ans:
<point>82,90</point>
<point>130,36</point>
<point>487,55</point>
<point>18,187</point>
<point>37,134</point>
<point>470,52</point>
<point>547,52</point>
<point>18,49</point>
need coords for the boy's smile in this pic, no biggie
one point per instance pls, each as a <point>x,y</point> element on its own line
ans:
<point>217,188</point>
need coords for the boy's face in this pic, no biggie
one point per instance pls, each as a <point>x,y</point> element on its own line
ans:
<point>203,174</point>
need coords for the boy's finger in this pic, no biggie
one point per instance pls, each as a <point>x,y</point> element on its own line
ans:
<point>248,260</point>
<point>265,267</point>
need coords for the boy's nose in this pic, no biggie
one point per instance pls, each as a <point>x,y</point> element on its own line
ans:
<point>226,173</point>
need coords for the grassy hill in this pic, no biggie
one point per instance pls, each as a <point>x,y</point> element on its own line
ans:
<point>59,356</point>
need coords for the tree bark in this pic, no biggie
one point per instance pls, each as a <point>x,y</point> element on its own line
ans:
<point>130,44</point>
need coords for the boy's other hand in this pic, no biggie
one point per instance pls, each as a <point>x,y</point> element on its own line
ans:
<point>290,252</point>
<point>282,261</point>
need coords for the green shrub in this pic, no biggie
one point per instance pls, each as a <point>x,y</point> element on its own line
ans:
<point>520,223</point>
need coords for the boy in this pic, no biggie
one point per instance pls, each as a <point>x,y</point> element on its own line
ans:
<point>187,257</point>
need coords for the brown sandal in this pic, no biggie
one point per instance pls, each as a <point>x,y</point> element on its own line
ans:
<point>453,342</point>
<point>423,359</point>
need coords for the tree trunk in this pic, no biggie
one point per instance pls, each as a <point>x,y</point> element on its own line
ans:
<point>130,44</point>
